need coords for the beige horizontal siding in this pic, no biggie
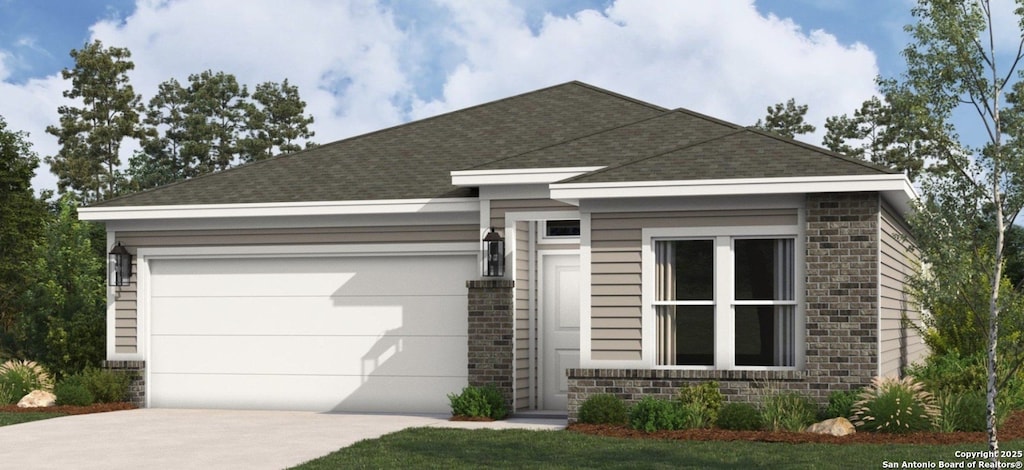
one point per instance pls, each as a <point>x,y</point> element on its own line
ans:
<point>126,333</point>
<point>522,309</point>
<point>616,241</point>
<point>900,344</point>
<point>126,327</point>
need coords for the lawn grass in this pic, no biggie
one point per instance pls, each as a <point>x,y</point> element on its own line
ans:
<point>461,448</point>
<point>7,418</point>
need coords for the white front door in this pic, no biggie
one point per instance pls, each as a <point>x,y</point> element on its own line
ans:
<point>560,323</point>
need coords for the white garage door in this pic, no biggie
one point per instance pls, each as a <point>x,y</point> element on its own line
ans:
<point>340,333</point>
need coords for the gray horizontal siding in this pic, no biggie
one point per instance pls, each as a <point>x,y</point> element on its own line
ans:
<point>616,241</point>
<point>899,343</point>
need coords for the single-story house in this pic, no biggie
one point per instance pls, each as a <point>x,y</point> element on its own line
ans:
<point>644,248</point>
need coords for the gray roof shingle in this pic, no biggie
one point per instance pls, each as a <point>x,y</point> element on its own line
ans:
<point>740,153</point>
<point>567,125</point>
<point>413,160</point>
<point>625,143</point>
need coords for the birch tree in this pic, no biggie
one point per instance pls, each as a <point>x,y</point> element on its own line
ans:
<point>955,64</point>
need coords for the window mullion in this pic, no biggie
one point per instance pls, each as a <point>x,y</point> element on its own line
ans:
<point>725,323</point>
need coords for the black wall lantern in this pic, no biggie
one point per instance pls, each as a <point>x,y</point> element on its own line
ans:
<point>122,261</point>
<point>494,254</point>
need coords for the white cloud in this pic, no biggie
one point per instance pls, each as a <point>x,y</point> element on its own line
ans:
<point>30,107</point>
<point>341,55</point>
<point>719,58</point>
<point>358,71</point>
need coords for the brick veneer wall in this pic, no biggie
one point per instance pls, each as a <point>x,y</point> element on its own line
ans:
<point>490,332</point>
<point>137,371</point>
<point>842,291</point>
<point>841,312</point>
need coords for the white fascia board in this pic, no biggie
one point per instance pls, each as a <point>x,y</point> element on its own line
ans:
<point>518,176</point>
<point>279,209</point>
<point>893,184</point>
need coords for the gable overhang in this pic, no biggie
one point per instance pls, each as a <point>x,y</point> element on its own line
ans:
<point>477,178</point>
<point>279,209</point>
<point>895,188</point>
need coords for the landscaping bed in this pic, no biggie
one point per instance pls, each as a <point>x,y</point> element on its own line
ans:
<point>1012,429</point>
<point>70,410</point>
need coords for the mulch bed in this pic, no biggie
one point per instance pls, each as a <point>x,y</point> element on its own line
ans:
<point>1012,429</point>
<point>470,418</point>
<point>70,410</point>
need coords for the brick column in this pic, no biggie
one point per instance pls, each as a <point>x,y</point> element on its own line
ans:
<point>491,328</point>
<point>137,371</point>
<point>842,291</point>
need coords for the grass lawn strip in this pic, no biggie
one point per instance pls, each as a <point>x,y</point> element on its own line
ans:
<point>460,448</point>
<point>7,418</point>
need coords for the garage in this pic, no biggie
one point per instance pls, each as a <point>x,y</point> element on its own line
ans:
<point>323,333</point>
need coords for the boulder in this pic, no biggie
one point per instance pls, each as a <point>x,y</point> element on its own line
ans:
<point>37,399</point>
<point>835,426</point>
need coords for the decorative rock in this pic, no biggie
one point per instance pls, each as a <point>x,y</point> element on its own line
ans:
<point>835,426</point>
<point>37,399</point>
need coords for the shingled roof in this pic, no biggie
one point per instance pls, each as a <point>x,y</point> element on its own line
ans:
<point>413,160</point>
<point>568,125</point>
<point>741,153</point>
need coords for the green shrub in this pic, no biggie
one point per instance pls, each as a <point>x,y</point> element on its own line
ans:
<point>896,406</point>
<point>479,402</point>
<point>966,412</point>
<point>840,404</point>
<point>655,414</point>
<point>706,399</point>
<point>788,411</point>
<point>19,378</point>
<point>603,409</point>
<point>694,416</point>
<point>73,391</point>
<point>740,417</point>
<point>6,394</point>
<point>951,373</point>
<point>106,386</point>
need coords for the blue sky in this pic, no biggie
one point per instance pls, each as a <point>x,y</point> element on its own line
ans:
<point>365,64</point>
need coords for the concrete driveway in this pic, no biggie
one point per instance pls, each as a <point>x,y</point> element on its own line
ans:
<point>159,438</point>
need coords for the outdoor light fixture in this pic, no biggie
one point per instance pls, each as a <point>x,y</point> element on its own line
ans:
<point>121,275</point>
<point>494,254</point>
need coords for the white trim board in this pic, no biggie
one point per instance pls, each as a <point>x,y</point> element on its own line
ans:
<point>275,209</point>
<point>518,176</point>
<point>896,187</point>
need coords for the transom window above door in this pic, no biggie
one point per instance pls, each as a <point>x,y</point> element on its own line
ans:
<point>561,229</point>
<point>725,302</point>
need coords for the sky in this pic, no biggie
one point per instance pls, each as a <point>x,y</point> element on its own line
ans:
<point>363,65</point>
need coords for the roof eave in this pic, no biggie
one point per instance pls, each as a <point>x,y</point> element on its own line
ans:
<point>274,209</point>
<point>477,178</point>
<point>896,188</point>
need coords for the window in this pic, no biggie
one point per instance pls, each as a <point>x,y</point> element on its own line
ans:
<point>725,302</point>
<point>561,228</point>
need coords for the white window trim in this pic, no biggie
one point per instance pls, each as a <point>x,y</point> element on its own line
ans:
<point>724,324</point>
<point>549,240</point>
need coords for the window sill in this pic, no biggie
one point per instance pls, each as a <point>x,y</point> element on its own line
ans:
<point>696,374</point>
